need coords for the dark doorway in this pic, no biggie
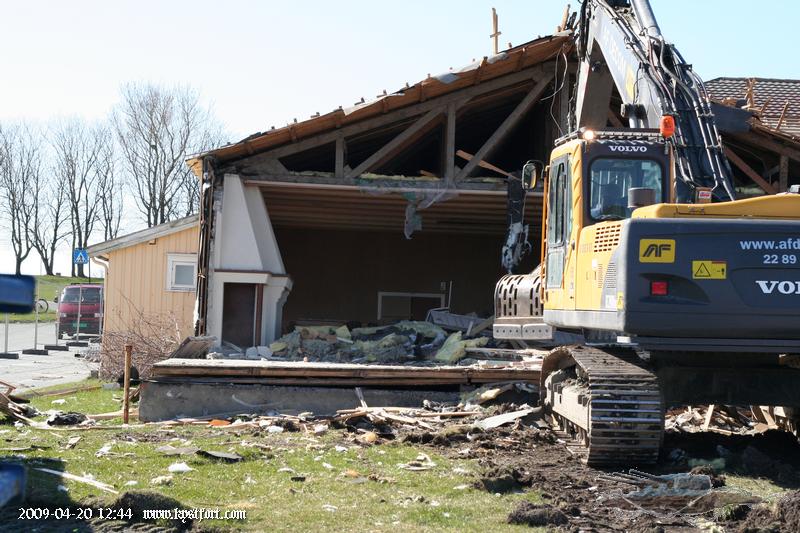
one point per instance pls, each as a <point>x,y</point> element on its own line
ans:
<point>238,314</point>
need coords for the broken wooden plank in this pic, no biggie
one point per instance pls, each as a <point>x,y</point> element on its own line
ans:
<point>709,414</point>
<point>193,347</point>
<point>72,477</point>
<point>505,418</point>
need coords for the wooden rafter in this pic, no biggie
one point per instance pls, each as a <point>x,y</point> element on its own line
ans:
<point>762,141</point>
<point>783,173</point>
<point>747,169</point>
<point>390,148</point>
<point>340,157</point>
<point>450,143</point>
<point>505,128</point>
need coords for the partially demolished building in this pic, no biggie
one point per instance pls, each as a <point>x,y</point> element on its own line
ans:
<point>382,211</point>
<point>308,224</point>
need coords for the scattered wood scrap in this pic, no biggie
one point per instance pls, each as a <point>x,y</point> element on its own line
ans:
<point>81,479</point>
<point>723,419</point>
<point>505,418</point>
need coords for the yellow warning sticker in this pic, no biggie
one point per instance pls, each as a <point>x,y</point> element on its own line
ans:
<point>657,251</point>
<point>709,269</point>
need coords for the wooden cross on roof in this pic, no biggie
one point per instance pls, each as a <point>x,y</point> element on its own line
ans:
<point>496,34</point>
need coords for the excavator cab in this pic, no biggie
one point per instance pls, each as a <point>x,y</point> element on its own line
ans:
<point>595,179</point>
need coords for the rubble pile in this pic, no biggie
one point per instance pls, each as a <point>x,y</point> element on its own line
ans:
<point>722,419</point>
<point>411,342</point>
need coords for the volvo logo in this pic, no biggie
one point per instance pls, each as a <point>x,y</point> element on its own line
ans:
<point>627,148</point>
<point>783,287</point>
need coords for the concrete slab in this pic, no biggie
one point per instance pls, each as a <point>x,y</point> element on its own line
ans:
<point>165,400</point>
<point>31,371</point>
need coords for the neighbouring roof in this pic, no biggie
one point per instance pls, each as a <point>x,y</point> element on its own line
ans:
<point>144,235</point>
<point>511,60</point>
<point>770,96</point>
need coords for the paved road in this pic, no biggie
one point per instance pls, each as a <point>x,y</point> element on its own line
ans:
<point>39,370</point>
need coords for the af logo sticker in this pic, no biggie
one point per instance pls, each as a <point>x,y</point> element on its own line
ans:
<point>657,251</point>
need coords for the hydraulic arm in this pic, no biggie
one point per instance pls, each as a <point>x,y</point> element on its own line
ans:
<point>620,44</point>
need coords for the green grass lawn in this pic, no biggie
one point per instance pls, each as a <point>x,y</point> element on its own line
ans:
<point>364,484</point>
<point>48,288</point>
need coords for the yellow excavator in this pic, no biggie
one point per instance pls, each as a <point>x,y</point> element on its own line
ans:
<point>679,293</point>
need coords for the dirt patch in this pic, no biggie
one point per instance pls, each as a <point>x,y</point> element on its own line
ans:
<point>140,500</point>
<point>504,479</point>
<point>774,455</point>
<point>535,515</point>
<point>783,516</point>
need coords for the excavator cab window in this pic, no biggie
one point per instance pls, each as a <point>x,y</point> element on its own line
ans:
<point>610,180</point>
<point>559,223</point>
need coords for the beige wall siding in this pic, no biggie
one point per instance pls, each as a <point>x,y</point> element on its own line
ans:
<point>137,281</point>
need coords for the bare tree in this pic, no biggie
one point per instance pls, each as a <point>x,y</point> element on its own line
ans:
<point>157,128</point>
<point>109,190</point>
<point>78,149</point>
<point>20,165</point>
<point>51,215</point>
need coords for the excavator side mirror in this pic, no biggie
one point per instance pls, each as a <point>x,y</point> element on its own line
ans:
<point>532,171</point>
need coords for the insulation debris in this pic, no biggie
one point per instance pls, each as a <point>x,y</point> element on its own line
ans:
<point>405,342</point>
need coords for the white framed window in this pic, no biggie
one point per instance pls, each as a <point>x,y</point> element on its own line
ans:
<point>395,306</point>
<point>181,272</point>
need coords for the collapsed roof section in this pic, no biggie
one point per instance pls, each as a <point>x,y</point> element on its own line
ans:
<point>775,102</point>
<point>759,119</point>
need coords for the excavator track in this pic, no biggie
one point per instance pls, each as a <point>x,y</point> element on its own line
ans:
<point>611,405</point>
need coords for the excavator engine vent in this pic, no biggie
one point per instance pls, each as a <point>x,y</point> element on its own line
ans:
<point>607,237</point>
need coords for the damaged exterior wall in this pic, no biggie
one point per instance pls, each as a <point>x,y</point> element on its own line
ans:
<point>245,251</point>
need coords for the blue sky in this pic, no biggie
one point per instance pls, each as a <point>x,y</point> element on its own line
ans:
<point>264,63</point>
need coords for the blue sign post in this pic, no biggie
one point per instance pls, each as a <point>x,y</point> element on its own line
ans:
<point>80,256</point>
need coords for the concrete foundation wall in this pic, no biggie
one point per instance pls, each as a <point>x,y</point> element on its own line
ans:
<point>165,400</point>
<point>337,274</point>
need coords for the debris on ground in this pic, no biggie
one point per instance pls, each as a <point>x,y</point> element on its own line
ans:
<point>70,418</point>
<point>222,456</point>
<point>422,462</point>
<point>505,418</point>
<point>179,468</point>
<point>723,419</point>
<point>168,449</point>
